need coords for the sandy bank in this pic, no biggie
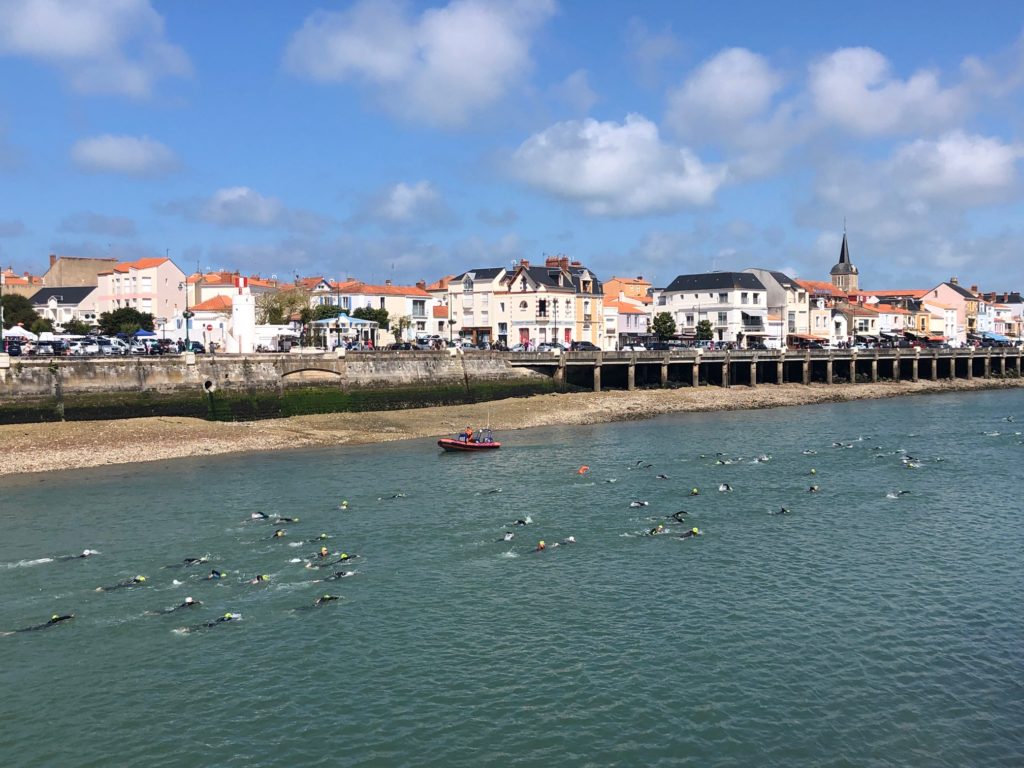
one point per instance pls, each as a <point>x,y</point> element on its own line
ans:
<point>68,445</point>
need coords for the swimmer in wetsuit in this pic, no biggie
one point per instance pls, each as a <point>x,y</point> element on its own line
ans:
<point>259,579</point>
<point>656,530</point>
<point>340,575</point>
<point>189,603</point>
<point>214,575</point>
<point>280,533</point>
<point>342,558</point>
<point>134,581</point>
<point>690,533</point>
<point>678,516</point>
<point>321,537</point>
<point>54,621</point>
<point>188,562</point>
<point>326,599</point>
<point>223,619</point>
<point>541,546</point>
<point>507,537</point>
<point>523,521</point>
<point>85,553</point>
<point>259,516</point>
<point>278,520</point>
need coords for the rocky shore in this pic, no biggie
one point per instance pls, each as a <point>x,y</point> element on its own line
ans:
<point>70,445</point>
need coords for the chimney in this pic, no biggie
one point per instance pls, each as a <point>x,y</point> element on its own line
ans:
<point>954,280</point>
<point>53,259</point>
<point>563,262</point>
<point>639,277</point>
<point>974,289</point>
<point>387,282</point>
<point>421,284</point>
<point>524,264</point>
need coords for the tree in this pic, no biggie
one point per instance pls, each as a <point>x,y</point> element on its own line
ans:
<point>125,320</point>
<point>18,310</point>
<point>326,312</point>
<point>379,316</point>
<point>664,326</point>
<point>277,308</point>
<point>41,325</point>
<point>704,330</point>
<point>76,327</point>
<point>399,324</point>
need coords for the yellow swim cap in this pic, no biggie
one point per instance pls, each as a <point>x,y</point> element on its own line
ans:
<point>227,615</point>
<point>814,471</point>
<point>54,617</point>
<point>326,596</point>
<point>140,578</point>
<point>265,577</point>
<point>343,555</point>
<point>695,530</point>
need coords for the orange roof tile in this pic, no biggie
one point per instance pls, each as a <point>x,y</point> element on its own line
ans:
<point>442,284</point>
<point>623,308</point>
<point>820,287</point>
<point>216,304</point>
<point>147,263</point>
<point>628,281</point>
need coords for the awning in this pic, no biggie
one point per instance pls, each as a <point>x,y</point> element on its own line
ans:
<point>936,338</point>
<point>994,336</point>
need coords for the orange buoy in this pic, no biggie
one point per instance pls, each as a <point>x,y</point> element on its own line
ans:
<point>583,470</point>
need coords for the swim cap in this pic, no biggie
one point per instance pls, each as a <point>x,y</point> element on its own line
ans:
<point>695,530</point>
<point>814,471</point>
<point>54,617</point>
<point>85,552</point>
<point>323,535</point>
<point>189,601</point>
<point>326,597</point>
<point>140,578</point>
<point>694,491</point>
<point>227,615</point>
<point>343,556</point>
<point>296,519</point>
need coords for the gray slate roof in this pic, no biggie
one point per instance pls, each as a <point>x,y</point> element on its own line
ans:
<point>715,281</point>
<point>845,266</point>
<point>487,273</point>
<point>69,295</point>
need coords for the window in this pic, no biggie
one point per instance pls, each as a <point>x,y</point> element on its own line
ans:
<point>147,305</point>
<point>723,318</point>
<point>147,283</point>
<point>542,308</point>
<point>382,302</point>
<point>421,326</point>
<point>661,301</point>
<point>757,298</point>
<point>689,318</point>
<point>723,298</point>
<point>744,297</point>
<point>792,322</point>
<point>522,305</point>
<point>419,308</point>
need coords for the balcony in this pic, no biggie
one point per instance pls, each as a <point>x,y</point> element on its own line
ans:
<point>542,315</point>
<point>587,319</point>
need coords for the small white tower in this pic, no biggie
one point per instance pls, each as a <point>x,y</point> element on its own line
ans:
<point>243,319</point>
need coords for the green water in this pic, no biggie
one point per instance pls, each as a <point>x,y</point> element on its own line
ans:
<point>858,630</point>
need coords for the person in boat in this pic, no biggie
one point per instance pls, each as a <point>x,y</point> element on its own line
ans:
<point>469,435</point>
<point>690,533</point>
<point>134,581</point>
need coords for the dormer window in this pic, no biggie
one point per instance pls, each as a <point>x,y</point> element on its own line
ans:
<point>467,285</point>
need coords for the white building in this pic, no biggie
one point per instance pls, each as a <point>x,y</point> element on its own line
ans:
<point>735,303</point>
<point>63,304</point>
<point>154,286</point>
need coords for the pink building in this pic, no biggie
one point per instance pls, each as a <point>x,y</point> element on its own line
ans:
<point>155,286</point>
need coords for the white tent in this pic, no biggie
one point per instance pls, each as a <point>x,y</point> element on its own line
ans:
<point>17,332</point>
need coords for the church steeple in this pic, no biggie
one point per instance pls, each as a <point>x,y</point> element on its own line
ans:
<point>844,274</point>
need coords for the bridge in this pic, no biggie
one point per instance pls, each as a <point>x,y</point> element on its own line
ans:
<point>751,368</point>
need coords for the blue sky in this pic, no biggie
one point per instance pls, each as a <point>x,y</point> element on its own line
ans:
<point>412,140</point>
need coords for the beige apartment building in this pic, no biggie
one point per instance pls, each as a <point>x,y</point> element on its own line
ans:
<point>154,285</point>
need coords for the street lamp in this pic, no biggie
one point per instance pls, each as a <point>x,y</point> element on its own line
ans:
<point>186,315</point>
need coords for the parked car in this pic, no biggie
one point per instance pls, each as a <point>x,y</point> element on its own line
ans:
<point>402,346</point>
<point>757,345</point>
<point>584,346</point>
<point>196,346</point>
<point>13,348</point>
<point>550,346</point>
<point>632,348</point>
<point>44,348</point>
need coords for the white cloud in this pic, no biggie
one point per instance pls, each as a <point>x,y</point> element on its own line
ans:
<point>244,207</point>
<point>442,67</point>
<point>123,155</point>
<point>616,169</point>
<point>959,168</point>
<point>406,206</point>
<point>733,86</point>
<point>575,92</point>
<point>102,46</point>
<point>729,102</point>
<point>854,89</point>
<point>91,223</point>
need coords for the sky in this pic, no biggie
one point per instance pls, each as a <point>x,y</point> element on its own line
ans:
<point>410,140</point>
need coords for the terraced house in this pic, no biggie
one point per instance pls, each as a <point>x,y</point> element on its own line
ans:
<point>735,303</point>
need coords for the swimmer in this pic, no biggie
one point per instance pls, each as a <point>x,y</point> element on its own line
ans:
<point>662,477</point>
<point>612,480</point>
<point>508,536</point>
<point>725,488</point>
<point>85,553</point>
<point>541,546</point>
<point>342,558</point>
<point>658,529</point>
<point>695,492</point>
<point>340,575</point>
<point>214,575</point>
<point>569,540</point>
<point>324,552</point>
<point>782,511</point>
<point>813,489</point>
<point>494,490</point>
<point>261,579</point>
<point>678,516</point>
<point>189,603</point>
<point>189,561</point>
<point>523,521</point>
<point>321,537</point>
<point>259,516</point>
<point>635,504</point>
<point>809,452</point>
<point>278,520</point>
<point>326,599</point>
<point>54,621</point>
<point>134,581</point>
<point>690,533</point>
<point>279,533</point>
<point>392,496</point>
<point>814,471</point>
<point>222,620</point>
<point>344,504</point>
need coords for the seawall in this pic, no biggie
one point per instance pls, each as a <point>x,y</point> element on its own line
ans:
<point>239,387</point>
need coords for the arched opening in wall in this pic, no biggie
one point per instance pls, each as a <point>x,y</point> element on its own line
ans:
<point>310,376</point>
